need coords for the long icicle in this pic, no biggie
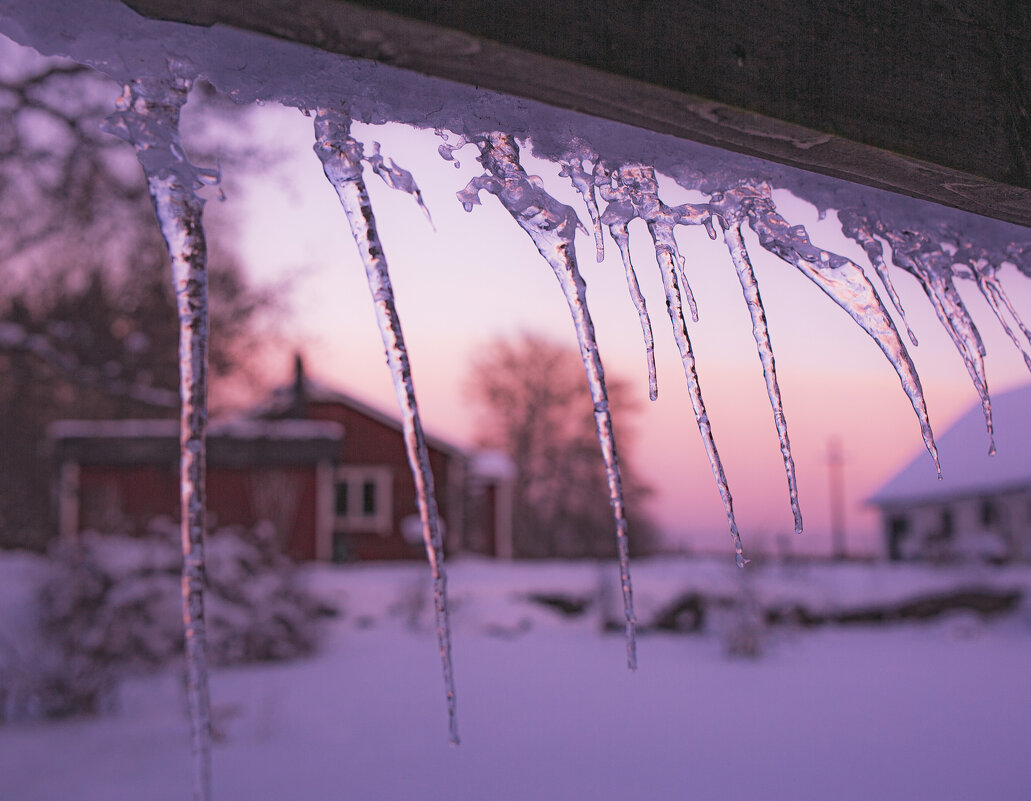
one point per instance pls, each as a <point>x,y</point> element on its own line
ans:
<point>622,238</point>
<point>846,284</point>
<point>761,332</point>
<point>915,254</point>
<point>984,274</point>
<point>148,118</point>
<point>552,226</point>
<point>852,225</point>
<point>683,340</point>
<point>583,182</point>
<point>632,191</point>
<point>341,157</point>
<point>1002,301</point>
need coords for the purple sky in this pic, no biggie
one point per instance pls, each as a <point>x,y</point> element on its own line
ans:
<point>478,276</point>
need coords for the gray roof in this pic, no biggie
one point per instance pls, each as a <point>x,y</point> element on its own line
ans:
<point>967,469</point>
<point>242,443</point>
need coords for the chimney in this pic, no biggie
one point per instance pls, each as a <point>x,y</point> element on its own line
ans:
<point>299,399</point>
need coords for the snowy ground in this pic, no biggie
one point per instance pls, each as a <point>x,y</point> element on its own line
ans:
<point>548,711</point>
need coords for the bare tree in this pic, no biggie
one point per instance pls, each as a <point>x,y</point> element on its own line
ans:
<point>87,318</point>
<point>536,406</point>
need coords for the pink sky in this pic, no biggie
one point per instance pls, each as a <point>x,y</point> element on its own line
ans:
<point>478,276</point>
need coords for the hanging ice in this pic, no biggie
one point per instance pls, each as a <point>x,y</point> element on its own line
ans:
<point>843,281</point>
<point>632,191</point>
<point>113,38</point>
<point>915,253</point>
<point>583,182</point>
<point>984,271</point>
<point>552,226</point>
<point>760,331</point>
<point>148,118</point>
<point>852,225</point>
<point>342,156</point>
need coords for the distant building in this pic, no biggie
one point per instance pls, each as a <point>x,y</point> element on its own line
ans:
<point>981,509</point>
<point>329,471</point>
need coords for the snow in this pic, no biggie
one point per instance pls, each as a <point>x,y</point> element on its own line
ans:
<point>970,469</point>
<point>158,61</point>
<point>236,428</point>
<point>549,712</point>
<point>113,38</point>
<point>282,399</point>
<point>492,464</point>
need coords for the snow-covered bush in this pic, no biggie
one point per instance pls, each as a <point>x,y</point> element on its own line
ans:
<point>112,605</point>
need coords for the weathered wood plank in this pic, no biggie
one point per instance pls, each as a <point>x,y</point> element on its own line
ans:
<point>930,99</point>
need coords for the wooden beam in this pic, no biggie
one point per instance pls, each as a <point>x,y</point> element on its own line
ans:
<point>928,98</point>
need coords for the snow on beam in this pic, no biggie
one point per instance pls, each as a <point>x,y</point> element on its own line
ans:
<point>921,99</point>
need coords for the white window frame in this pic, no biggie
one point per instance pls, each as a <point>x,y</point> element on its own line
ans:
<point>356,476</point>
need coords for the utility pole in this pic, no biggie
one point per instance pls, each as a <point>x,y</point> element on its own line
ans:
<point>836,476</point>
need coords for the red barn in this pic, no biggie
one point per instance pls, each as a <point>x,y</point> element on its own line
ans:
<point>329,471</point>
<point>116,476</point>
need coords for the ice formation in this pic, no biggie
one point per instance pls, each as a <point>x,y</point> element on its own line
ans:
<point>342,156</point>
<point>604,160</point>
<point>148,118</point>
<point>552,226</point>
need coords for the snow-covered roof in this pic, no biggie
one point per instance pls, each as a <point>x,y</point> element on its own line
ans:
<point>283,399</point>
<point>967,469</point>
<point>235,429</point>
<point>492,464</point>
<point>241,443</point>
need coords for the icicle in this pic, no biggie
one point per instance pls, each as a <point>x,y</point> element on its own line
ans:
<point>631,191</point>
<point>750,288</point>
<point>1000,301</point>
<point>683,340</point>
<point>915,254</point>
<point>583,182</point>
<point>447,150</point>
<point>341,158</point>
<point>148,118</point>
<point>845,283</point>
<point>983,271</point>
<point>622,238</point>
<point>552,226</point>
<point>397,178</point>
<point>853,226</point>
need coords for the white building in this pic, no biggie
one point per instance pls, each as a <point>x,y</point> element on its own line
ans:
<point>981,509</point>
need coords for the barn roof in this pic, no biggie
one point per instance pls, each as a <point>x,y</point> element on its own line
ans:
<point>283,402</point>
<point>230,442</point>
<point>967,469</point>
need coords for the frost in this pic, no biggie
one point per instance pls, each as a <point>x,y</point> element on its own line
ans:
<point>341,156</point>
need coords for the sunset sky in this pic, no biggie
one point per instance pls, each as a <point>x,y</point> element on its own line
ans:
<point>478,276</point>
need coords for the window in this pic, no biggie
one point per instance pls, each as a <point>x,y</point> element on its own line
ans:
<point>362,499</point>
<point>989,513</point>
<point>898,528</point>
